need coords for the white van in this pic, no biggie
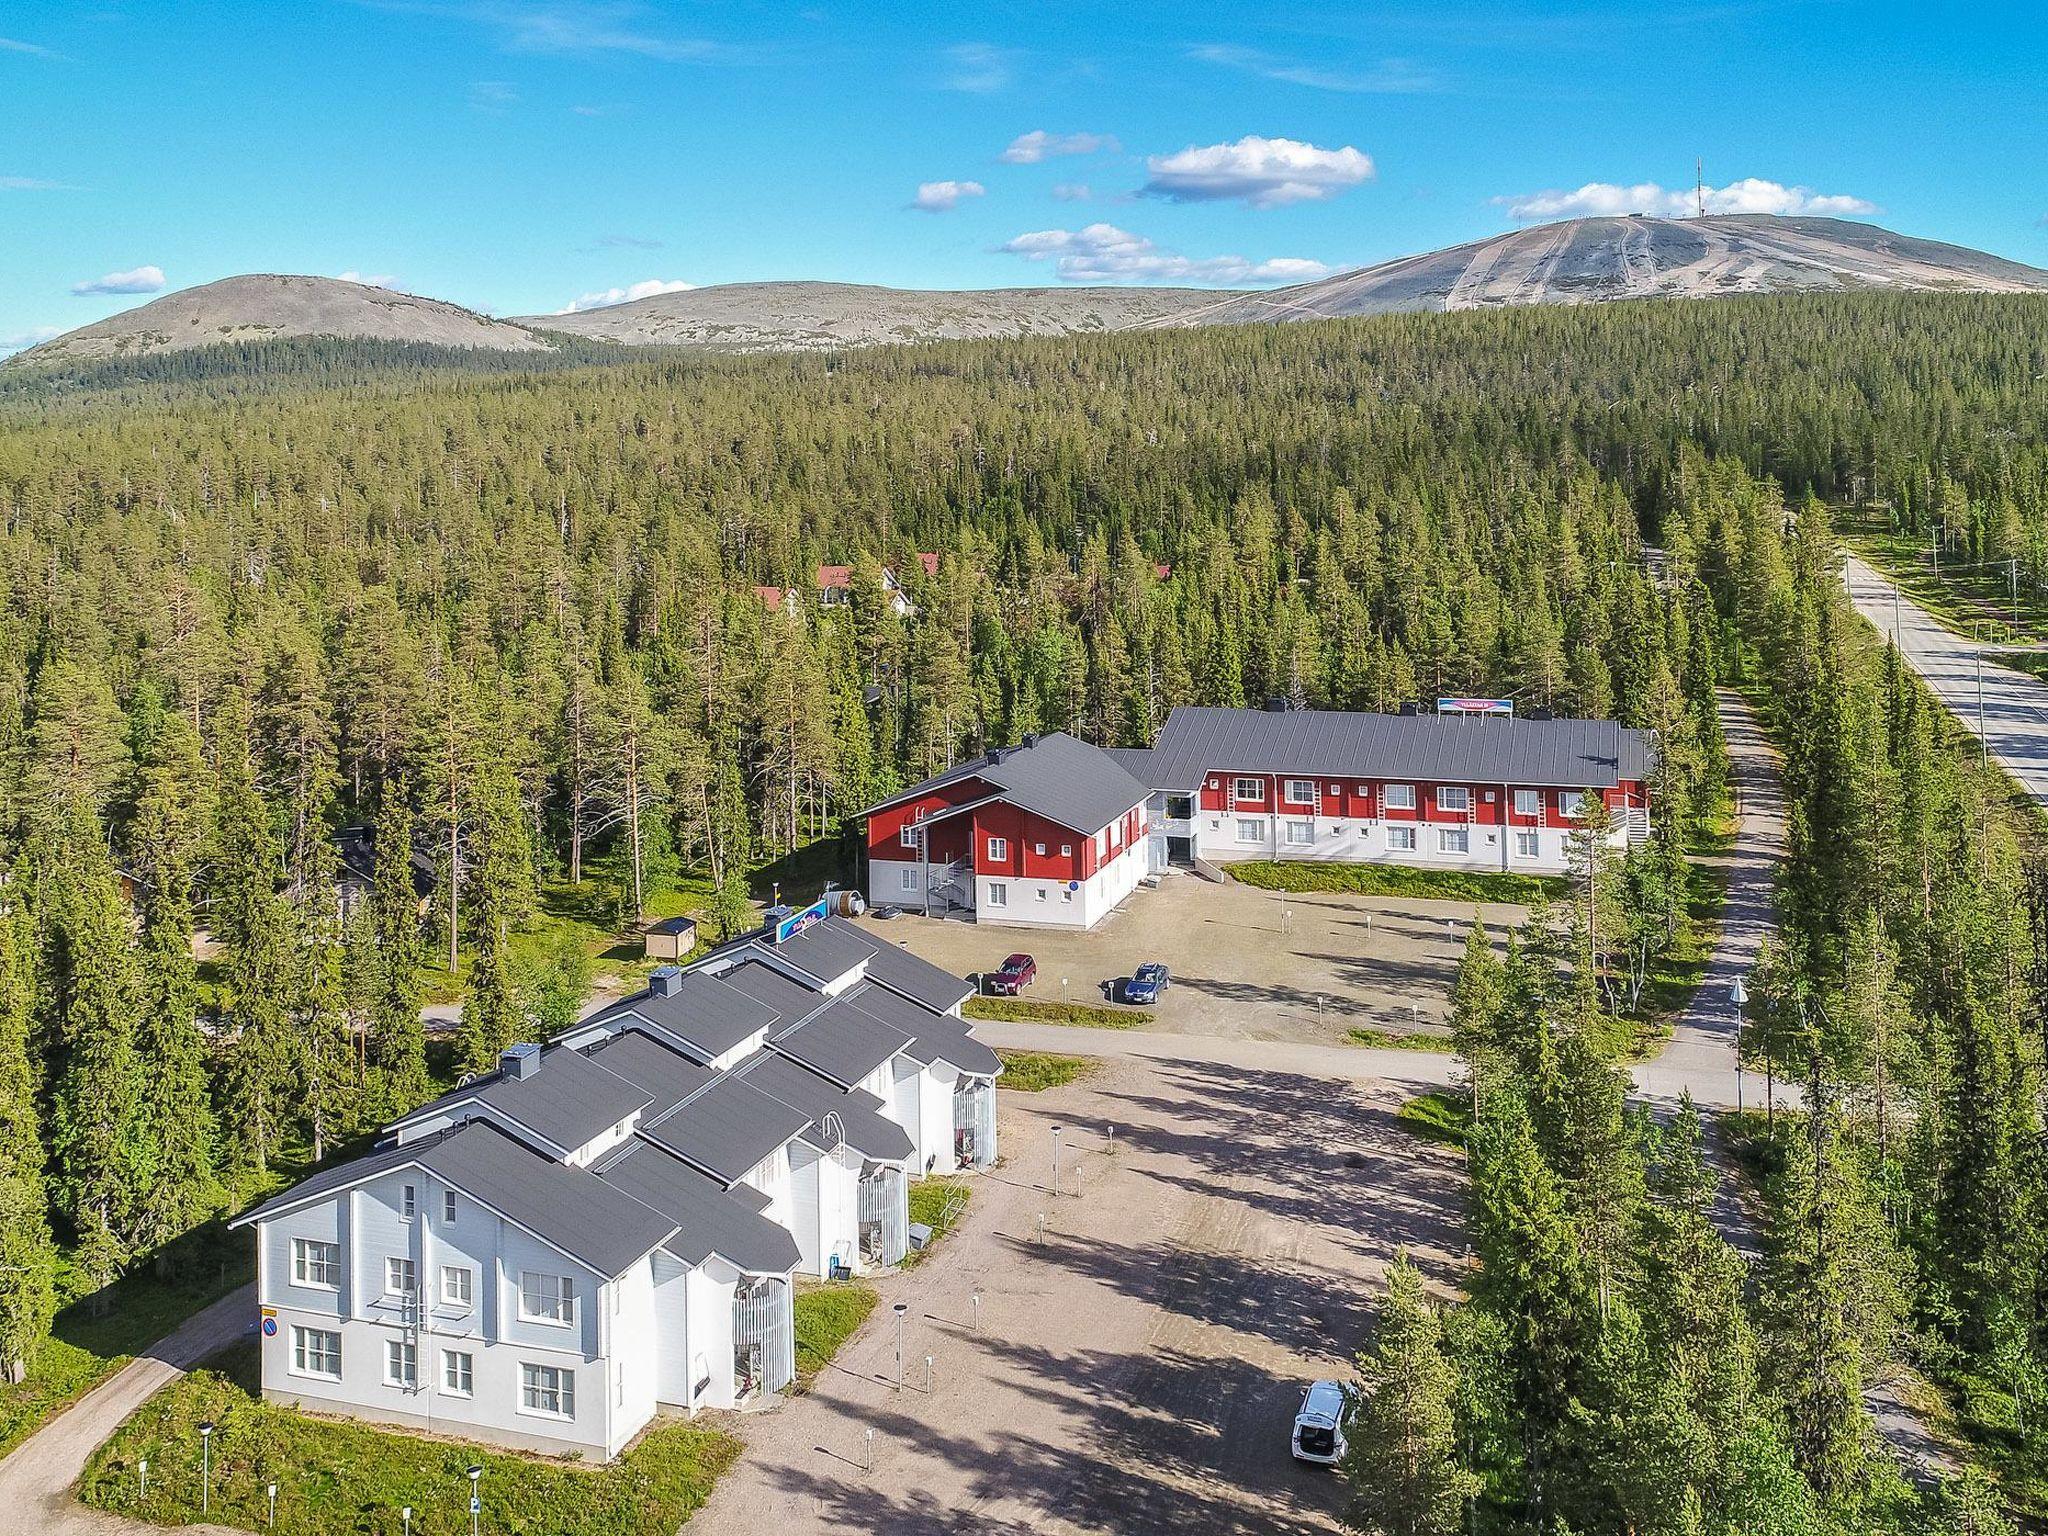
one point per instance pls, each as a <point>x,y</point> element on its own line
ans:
<point>1319,1427</point>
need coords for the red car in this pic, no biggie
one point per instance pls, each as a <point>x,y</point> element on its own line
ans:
<point>1015,974</point>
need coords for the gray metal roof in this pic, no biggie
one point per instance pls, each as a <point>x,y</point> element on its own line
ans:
<point>568,1099</point>
<point>784,997</point>
<point>708,1219</point>
<point>918,979</point>
<point>826,950</point>
<point>867,1130</point>
<point>728,1128</point>
<point>844,1041</point>
<point>933,1036</point>
<point>1059,777</point>
<point>649,1065</point>
<point>703,1013</point>
<point>1571,754</point>
<point>325,1181</point>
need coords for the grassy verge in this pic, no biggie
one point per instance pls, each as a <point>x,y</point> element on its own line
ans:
<point>333,1475</point>
<point>1026,1010</point>
<point>1036,1071</point>
<point>1444,1117</point>
<point>827,1315</point>
<point>1398,880</point>
<point>1412,1040</point>
<point>939,1203</point>
<point>1962,596</point>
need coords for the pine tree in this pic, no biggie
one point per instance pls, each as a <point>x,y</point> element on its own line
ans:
<point>1478,998</point>
<point>330,1091</point>
<point>28,1256</point>
<point>1402,1457</point>
<point>501,888</point>
<point>396,1048</point>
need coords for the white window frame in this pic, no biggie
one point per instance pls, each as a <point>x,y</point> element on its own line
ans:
<point>1066,850</point>
<point>565,1299</point>
<point>310,1344</point>
<point>458,1373</point>
<point>401,1276</point>
<point>1251,829</point>
<point>1038,849</point>
<point>401,1364</point>
<point>1454,840</point>
<point>907,834</point>
<point>998,893</point>
<point>998,850</point>
<point>1528,845</point>
<point>408,1201</point>
<point>1455,798</point>
<point>463,1292</point>
<point>1398,797</point>
<point>1307,829</point>
<point>1570,802</point>
<point>447,1207</point>
<point>1528,802</point>
<point>1040,893</point>
<point>1401,839</point>
<point>560,1385</point>
<point>1066,895</point>
<point>313,1256</point>
<point>910,877</point>
<point>1308,798</point>
<point>1256,792</point>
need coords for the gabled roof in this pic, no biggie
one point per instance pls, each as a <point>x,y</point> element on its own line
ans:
<point>933,1037</point>
<point>708,1219</point>
<point>1568,754</point>
<point>843,1040</point>
<point>860,1116</point>
<point>704,1013</point>
<point>566,1101</point>
<point>652,1067</point>
<point>568,1208</point>
<point>1059,777</point>
<point>826,950</point>
<point>727,1129</point>
<point>917,978</point>
<point>783,997</point>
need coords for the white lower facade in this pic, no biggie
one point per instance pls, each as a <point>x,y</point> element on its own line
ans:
<point>1223,837</point>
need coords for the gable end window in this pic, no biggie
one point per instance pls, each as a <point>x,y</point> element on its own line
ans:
<point>998,849</point>
<point>316,1263</point>
<point>547,1299</point>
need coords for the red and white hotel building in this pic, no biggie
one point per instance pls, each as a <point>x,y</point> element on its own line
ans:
<point>1057,832</point>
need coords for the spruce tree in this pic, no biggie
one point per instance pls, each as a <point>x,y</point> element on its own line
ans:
<point>390,970</point>
<point>501,889</point>
<point>28,1256</point>
<point>1402,1458</point>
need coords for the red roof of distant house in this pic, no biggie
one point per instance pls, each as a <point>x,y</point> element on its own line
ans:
<point>771,597</point>
<point>1162,570</point>
<point>930,561</point>
<point>833,577</point>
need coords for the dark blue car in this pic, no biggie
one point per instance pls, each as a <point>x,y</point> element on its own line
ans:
<point>1146,984</point>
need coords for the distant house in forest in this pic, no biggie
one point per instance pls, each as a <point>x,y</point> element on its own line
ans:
<point>355,848</point>
<point>834,585</point>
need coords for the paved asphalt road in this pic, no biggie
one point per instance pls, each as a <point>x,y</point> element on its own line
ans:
<point>2014,712</point>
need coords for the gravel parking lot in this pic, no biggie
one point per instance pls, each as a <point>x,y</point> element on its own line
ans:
<point>1246,963</point>
<point>1138,1370</point>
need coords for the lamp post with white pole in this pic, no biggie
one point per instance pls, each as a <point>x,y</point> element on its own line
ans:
<point>206,1467</point>
<point>899,1309</point>
<point>1056,1132</point>
<point>1739,996</point>
<point>476,1503</point>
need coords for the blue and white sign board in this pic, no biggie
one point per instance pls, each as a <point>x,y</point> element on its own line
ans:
<point>797,922</point>
<point>1475,706</point>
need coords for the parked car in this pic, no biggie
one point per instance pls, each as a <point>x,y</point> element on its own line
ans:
<point>1146,983</point>
<point>1014,975</point>
<point>1319,1426</point>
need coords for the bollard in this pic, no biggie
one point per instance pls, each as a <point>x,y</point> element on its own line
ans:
<point>871,1450</point>
<point>271,1492</point>
<point>977,1311</point>
<point>144,1494</point>
<point>1041,1227</point>
<point>930,1376</point>
<point>405,1514</point>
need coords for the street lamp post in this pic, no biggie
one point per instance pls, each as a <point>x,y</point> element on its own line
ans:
<point>476,1503</point>
<point>1056,1130</point>
<point>899,1309</point>
<point>1739,996</point>
<point>206,1467</point>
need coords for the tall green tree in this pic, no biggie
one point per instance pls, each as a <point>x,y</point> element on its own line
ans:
<point>1402,1456</point>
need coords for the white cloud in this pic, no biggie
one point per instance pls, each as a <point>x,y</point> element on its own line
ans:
<point>1390,77</point>
<point>372,280</point>
<point>134,280</point>
<point>606,298</point>
<point>17,341</point>
<point>567,26</point>
<point>944,196</point>
<point>1102,253</point>
<point>1266,173</point>
<point>1750,195</point>
<point>32,184</point>
<point>16,45</point>
<point>976,68</point>
<point>1030,148</point>
<point>1073,192</point>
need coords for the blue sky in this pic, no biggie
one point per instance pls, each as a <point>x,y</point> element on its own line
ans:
<point>523,155</point>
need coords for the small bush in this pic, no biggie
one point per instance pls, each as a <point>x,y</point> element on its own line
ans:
<point>1036,1071</point>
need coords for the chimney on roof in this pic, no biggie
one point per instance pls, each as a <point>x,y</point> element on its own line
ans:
<point>1275,705</point>
<point>522,1060</point>
<point>995,755</point>
<point>666,980</point>
<point>1031,738</point>
<point>1411,709</point>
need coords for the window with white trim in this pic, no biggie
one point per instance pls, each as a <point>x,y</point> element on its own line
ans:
<point>1400,839</point>
<point>1301,833</point>
<point>547,1298</point>
<point>447,1207</point>
<point>1066,850</point>
<point>1250,830</point>
<point>1067,896</point>
<point>1301,791</point>
<point>458,1373</point>
<point>458,1285</point>
<point>1570,803</point>
<point>401,1277</point>
<point>1039,849</point>
<point>1249,789</point>
<point>408,1201</point>
<point>1039,893</point>
<point>998,849</point>
<point>1455,798</point>
<point>401,1363</point>
<point>1453,839</point>
<point>1400,797</point>
<point>909,878</point>
<point>1527,845</point>
<point>316,1352</point>
<point>998,894</point>
<point>907,834</point>
<point>316,1263</point>
<point>1528,802</point>
<point>547,1389</point>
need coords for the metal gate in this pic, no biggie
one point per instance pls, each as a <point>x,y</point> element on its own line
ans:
<point>763,1349</point>
<point>884,1214</point>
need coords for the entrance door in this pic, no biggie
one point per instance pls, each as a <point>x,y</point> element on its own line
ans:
<point>1180,852</point>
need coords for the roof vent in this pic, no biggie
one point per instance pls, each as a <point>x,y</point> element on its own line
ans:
<point>522,1060</point>
<point>1276,705</point>
<point>995,755</point>
<point>1031,738</point>
<point>1411,709</point>
<point>666,981</point>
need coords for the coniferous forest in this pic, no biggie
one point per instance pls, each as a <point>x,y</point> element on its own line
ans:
<point>511,620</point>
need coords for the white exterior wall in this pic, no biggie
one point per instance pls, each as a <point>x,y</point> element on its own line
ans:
<point>921,1101</point>
<point>825,1208</point>
<point>771,1176</point>
<point>1049,904</point>
<point>1365,842</point>
<point>711,1290</point>
<point>887,887</point>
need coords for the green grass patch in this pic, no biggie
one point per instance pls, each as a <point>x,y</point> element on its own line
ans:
<point>828,1313</point>
<point>1305,875</point>
<point>1029,1010</point>
<point>57,1377</point>
<point>1036,1071</point>
<point>1437,1116</point>
<point>939,1203</point>
<point>334,1475</point>
<point>1409,1040</point>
